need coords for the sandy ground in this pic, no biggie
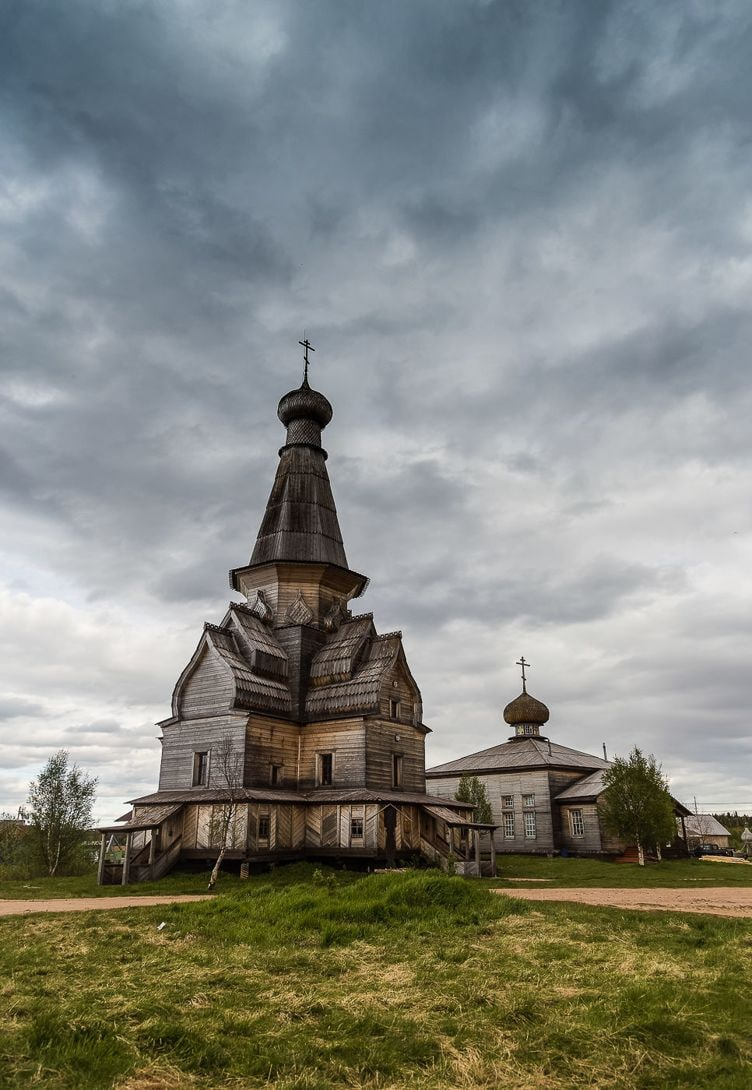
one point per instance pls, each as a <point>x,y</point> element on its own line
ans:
<point>86,904</point>
<point>716,901</point>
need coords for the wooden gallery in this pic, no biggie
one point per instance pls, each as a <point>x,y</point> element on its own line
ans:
<point>296,728</point>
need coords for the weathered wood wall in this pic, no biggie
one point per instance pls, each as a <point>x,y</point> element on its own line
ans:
<point>181,740</point>
<point>385,738</point>
<point>271,742</point>
<point>345,738</point>
<point>209,689</point>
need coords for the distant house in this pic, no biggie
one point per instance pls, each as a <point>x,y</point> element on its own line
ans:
<point>545,797</point>
<point>706,829</point>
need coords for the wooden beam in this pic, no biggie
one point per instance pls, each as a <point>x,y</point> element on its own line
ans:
<point>102,851</point>
<point>127,860</point>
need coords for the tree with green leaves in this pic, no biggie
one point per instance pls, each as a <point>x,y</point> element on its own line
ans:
<point>473,790</point>
<point>636,804</point>
<point>60,805</point>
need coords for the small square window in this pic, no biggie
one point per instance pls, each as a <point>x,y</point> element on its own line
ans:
<point>201,768</point>
<point>507,801</point>
<point>263,827</point>
<point>396,770</point>
<point>356,828</point>
<point>394,709</point>
<point>508,826</point>
<point>326,769</point>
<point>528,800</point>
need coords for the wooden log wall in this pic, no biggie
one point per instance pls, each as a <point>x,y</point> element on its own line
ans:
<point>209,690</point>
<point>345,738</point>
<point>271,742</point>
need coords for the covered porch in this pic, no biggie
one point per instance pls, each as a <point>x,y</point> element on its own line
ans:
<point>141,849</point>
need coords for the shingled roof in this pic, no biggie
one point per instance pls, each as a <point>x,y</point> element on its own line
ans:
<point>518,754</point>
<point>300,521</point>
<point>361,691</point>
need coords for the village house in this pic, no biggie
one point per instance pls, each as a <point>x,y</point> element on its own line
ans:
<point>545,797</point>
<point>294,717</point>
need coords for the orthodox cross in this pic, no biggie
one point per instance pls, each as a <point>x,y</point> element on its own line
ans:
<point>306,344</point>
<point>523,664</point>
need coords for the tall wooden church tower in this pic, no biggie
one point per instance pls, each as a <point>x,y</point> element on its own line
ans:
<point>293,712</point>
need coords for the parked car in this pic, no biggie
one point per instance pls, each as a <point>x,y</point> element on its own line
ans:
<point>711,849</point>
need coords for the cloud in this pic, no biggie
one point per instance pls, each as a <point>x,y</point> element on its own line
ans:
<point>519,238</point>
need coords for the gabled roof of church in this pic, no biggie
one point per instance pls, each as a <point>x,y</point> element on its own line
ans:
<point>520,753</point>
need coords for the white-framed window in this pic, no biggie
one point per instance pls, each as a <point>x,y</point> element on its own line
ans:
<point>530,827</point>
<point>326,769</point>
<point>264,824</point>
<point>201,768</point>
<point>508,826</point>
<point>576,824</point>
<point>356,825</point>
<point>528,801</point>
<point>507,802</point>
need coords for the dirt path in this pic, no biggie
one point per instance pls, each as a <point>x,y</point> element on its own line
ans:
<point>86,904</point>
<point>717,901</point>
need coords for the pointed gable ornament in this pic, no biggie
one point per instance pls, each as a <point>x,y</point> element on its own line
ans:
<point>260,608</point>
<point>299,612</point>
<point>334,616</point>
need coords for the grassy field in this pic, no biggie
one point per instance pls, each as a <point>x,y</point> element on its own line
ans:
<point>686,873</point>
<point>682,873</point>
<point>390,981</point>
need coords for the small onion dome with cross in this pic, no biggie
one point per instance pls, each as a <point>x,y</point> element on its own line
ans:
<point>526,714</point>
<point>304,412</point>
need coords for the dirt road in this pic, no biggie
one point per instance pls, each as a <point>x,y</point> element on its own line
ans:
<point>86,904</point>
<point>716,901</point>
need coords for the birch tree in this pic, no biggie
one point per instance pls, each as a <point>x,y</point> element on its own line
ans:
<point>636,804</point>
<point>60,805</point>
<point>227,762</point>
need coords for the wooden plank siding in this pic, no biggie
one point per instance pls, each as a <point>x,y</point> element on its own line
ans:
<point>270,742</point>
<point>209,689</point>
<point>181,740</point>
<point>385,738</point>
<point>345,738</point>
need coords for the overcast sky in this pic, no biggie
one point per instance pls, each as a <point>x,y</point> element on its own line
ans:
<point>518,235</point>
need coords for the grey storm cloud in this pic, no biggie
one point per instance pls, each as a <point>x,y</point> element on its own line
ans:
<point>518,235</point>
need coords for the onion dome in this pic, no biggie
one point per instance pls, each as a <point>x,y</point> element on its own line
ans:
<point>526,714</point>
<point>526,709</point>
<point>304,404</point>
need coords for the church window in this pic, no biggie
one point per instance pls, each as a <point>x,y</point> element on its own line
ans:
<point>507,801</point>
<point>528,800</point>
<point>394,709</point>
<point>576,824</point>
<point>326,769</point>
<point>356,828</point>
<point>530,829</point>
<point>201,768</point>
<point>275,775</point>
<point>508,826</point>
<point>263,827</point>
<point>396,770</point>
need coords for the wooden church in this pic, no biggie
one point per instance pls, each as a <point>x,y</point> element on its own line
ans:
<point>294,715</point>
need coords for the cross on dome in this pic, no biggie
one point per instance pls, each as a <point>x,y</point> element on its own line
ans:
<point>307,347</point>
<point>523,664</point>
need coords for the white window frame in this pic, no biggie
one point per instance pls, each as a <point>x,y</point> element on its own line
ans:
<point>507,820</point>
<point>577,824</point>
<point>530,825</point>
<point>507,802</point>
<point>528,801</point>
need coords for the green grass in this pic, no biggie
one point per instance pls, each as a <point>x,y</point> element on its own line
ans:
<point>384,982</point>
<point>86,886</point>
<point>680,873</point>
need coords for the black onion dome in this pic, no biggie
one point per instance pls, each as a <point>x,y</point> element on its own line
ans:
<point>304,404</point>
<point>526,709</point>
